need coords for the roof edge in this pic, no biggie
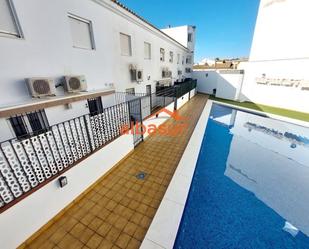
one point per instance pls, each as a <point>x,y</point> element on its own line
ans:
<point>148,23</point>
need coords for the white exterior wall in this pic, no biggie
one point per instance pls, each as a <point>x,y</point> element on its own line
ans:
<point>23,219</point>
<point>227,85</point>
<point>279,51</point>
<point>181,34</point>
<point>206,80</point>
<point>47,48</point>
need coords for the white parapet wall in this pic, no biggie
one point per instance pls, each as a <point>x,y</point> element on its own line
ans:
<point>224,83</point>
<point>22,220</point>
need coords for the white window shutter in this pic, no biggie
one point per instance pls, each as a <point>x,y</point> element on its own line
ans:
<point>81,33</point>
<point>147,50</point>
<point>125,44</point>
<point>7,21</point>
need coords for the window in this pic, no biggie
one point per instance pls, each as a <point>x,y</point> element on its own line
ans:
<point>147,51</point>
<point>171,57</point>
<point>32,123</point>
<point>81,32</point>
<point>162,54</point>
<point>95,106</point>
<point>178,58</point>
<point>183,60</point>
<point>188,70</point>
<point>9,25</point>
<point>130,91</point>
<point>189,37</point>
<point>189,60</point>
<point>125,45</point>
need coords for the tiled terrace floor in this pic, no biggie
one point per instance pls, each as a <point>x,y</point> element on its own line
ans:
<point>117,212</point>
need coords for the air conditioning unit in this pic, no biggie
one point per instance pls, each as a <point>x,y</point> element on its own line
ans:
<point>40,87</point>
<point>136,75</point>
<point>166,73</point>
<point>75,83</point>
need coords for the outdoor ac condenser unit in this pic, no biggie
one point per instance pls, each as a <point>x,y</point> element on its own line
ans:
<point>75,83</point>
<point>166,73</point>
<point>136,75</point>
<point>40,87</point>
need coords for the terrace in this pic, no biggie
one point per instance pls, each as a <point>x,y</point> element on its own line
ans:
<point>117,210</point>
<point>30,163</point>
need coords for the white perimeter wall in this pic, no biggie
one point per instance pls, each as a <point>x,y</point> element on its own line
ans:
<point>47,48</point>
<point>227,85</point>
<point>23,219</point>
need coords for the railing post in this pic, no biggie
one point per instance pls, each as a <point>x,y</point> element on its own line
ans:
<point>88,134</point>
<point>175,98</point>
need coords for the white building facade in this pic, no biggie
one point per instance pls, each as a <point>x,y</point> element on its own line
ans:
<point>99,39</point>
<point>276,73</point>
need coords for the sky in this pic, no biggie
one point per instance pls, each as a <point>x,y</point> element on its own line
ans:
<point>224,28</point>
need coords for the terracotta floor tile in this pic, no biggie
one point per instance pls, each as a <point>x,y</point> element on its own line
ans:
<point>86,235</point>
<point>94,241</point>
<point>117,212</point>
<point>120,223</point>
<point>140,233</point>
<point>95,223</point>
<point>123,240</point>
<point>133,244</point>
<point>130,228</point>
<point>104,229</point>
<point>105,244</point>
<point>113,234</point>
<point>77,230</point>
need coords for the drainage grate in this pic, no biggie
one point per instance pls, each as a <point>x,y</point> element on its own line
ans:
<point>141,175</point>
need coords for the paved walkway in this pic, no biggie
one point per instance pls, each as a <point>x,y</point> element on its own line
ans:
<point>117,212</point>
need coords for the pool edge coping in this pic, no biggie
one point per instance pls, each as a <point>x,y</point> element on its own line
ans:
<point>164,226</point>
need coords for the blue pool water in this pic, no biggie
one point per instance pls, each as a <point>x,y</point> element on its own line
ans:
<point>250,187</point>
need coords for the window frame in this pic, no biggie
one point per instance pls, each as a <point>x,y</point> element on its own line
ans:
<point>189,59</point>
<point>20,34</point>
<point>97,104</point>
<point>171,59</point>
<point>130,44</point>
<point>130,90</point>
<point>148,43</point>
<point>91,32</point>
<point>162,52</point>
<point>32,124</point>
<point>190,35</point>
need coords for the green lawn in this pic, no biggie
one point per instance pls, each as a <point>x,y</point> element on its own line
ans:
<point>268,109</point>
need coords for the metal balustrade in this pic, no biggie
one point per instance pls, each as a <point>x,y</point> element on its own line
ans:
<point>28,164</point>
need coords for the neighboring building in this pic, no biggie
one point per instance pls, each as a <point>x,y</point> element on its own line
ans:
<point>277,71</point>
<point>220,63</point>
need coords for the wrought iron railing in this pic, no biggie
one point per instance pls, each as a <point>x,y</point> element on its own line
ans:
<point>28,164</point>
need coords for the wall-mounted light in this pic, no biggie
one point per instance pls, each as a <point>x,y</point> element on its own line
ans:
<point>63,180</point>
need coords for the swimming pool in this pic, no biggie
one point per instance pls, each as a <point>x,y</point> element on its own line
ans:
<point>251,185</point>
